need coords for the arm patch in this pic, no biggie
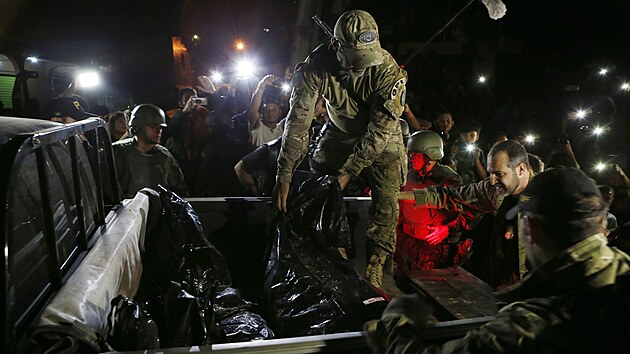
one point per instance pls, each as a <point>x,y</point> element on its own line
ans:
<point>395,105</point>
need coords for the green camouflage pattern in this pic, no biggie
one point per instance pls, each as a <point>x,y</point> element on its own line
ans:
<point>578,302</point>
<point>364,134</point>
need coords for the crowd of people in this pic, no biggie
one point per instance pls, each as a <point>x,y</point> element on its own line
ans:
<point>510,216</point>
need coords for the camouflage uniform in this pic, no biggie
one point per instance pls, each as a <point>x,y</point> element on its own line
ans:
<point>137,170</point>
<point>412,251</point>
<point>363,133</point>
<point>504,263</point>
<point>578,302</point>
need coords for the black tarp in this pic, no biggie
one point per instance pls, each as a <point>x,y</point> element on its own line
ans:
<point>185,288</point>
<point>309,288</point>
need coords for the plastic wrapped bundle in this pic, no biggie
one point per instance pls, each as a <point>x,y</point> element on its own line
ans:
<point>309,288</point>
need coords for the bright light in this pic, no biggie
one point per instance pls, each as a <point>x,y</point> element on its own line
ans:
<point>239,44</point>
<point>88,79</point>
<point>216,77</point>
<point>470,147</point>
<point>580,113</point>
<point>603,71</point>
<point>245,69</point>
<point>286,87</point>
<point>195,37</point>
<point>598,130</point>
<point>32,59</point>
<point>600,166</point>
<point>625,86</point>
<point>530,139</point>
<point>481,79</point>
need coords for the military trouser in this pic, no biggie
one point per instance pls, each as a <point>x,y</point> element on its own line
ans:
<point>385,177</point>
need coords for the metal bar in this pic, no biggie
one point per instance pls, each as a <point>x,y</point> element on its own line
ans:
<point>78,196</point>
<point>49,224</point>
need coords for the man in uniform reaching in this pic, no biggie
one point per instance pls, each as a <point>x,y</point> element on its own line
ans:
<point>364,90</point>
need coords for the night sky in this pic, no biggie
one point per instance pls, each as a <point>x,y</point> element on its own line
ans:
<point>561,41</point>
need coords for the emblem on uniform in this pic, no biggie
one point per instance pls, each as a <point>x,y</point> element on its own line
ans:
<point>367,37</point>
<point>397,88</point>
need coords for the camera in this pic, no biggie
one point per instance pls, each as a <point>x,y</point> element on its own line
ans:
<point>200,101</point>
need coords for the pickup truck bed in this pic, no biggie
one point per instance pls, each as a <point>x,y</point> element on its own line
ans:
<point>67,237</point>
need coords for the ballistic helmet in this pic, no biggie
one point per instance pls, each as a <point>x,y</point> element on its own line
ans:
<point>426,142</point>
<point>147,115</point>
<point>356,33</point>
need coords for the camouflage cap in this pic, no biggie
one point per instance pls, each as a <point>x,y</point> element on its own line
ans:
<point>357,34</point>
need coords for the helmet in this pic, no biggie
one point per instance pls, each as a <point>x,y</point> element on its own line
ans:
<point>426,142</point>
<point>404,127</point>
<point>147,115</point>
<point>356,33</point>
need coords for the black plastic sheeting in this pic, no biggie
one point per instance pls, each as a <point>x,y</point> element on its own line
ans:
<point>130,326</point>
<point>309,288</point>
<point>185,292</point>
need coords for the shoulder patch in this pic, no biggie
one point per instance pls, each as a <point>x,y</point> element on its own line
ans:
<point>397,87</point>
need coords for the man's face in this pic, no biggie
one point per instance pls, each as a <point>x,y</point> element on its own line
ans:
<point>445,122</point>
<point>153,134</point>
<point>271,113</point>
<point>346,65</point>
<point>185,97</point>
<point>421,163</point>
<point>120,126</point>
<point>470,137</point>
<point>502,177</point>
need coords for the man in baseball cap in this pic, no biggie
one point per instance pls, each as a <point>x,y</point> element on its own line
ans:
<point>357,42</point>
<point>66,110</point>
<point>364,92</point>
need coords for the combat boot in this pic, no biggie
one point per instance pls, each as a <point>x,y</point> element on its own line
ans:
<point>374,270</point>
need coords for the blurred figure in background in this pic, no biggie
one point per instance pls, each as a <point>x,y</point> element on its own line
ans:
<point>117,124</point>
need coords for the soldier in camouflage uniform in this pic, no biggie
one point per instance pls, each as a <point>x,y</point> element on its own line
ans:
<point>141,161</point>
<point>576,300</point>
<point>508,167</point>
<point>364,90</point>
<point>429,238</point>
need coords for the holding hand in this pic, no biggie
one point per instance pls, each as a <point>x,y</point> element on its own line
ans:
<point>438,234</point>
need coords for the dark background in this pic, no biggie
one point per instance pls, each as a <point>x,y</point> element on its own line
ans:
<point>541,59</point>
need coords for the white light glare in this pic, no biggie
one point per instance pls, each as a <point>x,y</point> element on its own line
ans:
<point>88,79</point>
<point>600,166</point>
<point>598,130</point>
<point>603,71</point>
<point>216,76</point>
<point>481,79</point>
<point>625,86</point>
<point>286,87</point>
<point>32,59</point>
<point>529,138</point>
<point>470,147</point>
<point>245,69</point>
<point>580,113</point>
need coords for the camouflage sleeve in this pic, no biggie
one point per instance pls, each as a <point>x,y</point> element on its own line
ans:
<point>386,107</point>
<point>295,138</point>
<point>515,330</point>
<point>480,197</point>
